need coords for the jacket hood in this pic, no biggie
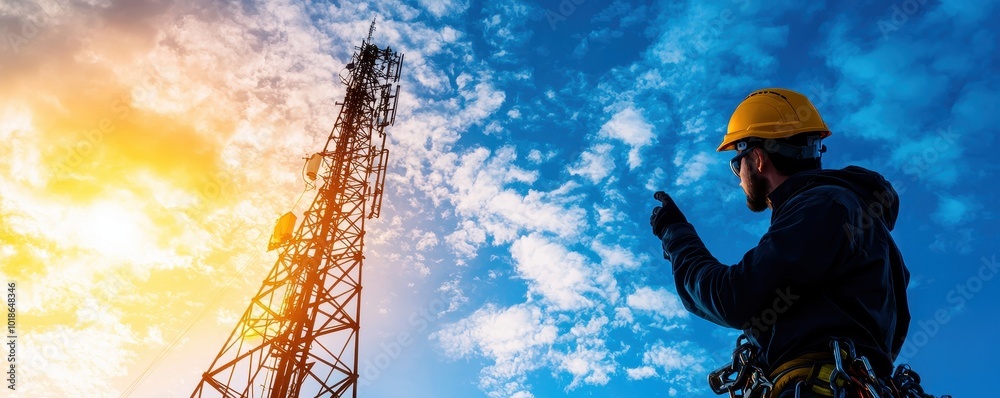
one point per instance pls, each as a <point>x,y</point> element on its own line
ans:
<point>870,186</point>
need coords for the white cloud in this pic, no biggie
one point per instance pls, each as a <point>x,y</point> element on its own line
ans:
<point>536,212</point>
<point>493,128</point>
<point>629,126</point>
<point>641,372</point>
<point>657,180</point>
<point>592,327</point>
<point>694,168</point>
<point>680,364</point>
<point>595,163</point>
<point>671,359</point>
<point>537,156</point>
<point>607,215</point>
<point>659,301</point>
<point>516,339</point>
<point>456,297</point>
<point>480,175</point>
<point>483,100</point>
<point>480,192</point>
<point>563,278</point>
<point>466,239</point>
<point>510,335</point>
<point>589,362</point>
<point>586,365</point>
<point>623,317</point>
<point>615,256</point>
<point>440,8</point>
<point>427,241</point>
<point>57,363</point>
<point>697,126</point>
<point>505,27</point>
<point>679,360</point>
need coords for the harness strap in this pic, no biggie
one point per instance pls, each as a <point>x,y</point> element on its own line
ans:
<point>835,373</point>
<point>814,369</point>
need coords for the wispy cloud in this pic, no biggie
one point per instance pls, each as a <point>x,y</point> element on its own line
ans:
<point>630,127</point>
<point>516,339</point>
<point>952,211</point>
<point>442,8</point>
<point>562,278</point>
<point>482,188</point>
<point>504,25</point>
<point>693,168</point>
<point>588,360</point>
<point>595,164</point>
<point>659,302</point>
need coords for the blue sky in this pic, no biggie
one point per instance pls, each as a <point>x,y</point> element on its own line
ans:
<point>513,257</point>
<point>603,103</point>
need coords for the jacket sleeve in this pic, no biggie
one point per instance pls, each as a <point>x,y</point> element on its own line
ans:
<point>804,241</point>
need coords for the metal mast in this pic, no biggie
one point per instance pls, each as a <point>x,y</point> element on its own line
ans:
<point>299,335</point>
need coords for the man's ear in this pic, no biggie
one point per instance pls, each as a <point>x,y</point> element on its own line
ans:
<point>760,157</point>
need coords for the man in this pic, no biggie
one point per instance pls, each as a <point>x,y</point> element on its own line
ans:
<point>827,269</point>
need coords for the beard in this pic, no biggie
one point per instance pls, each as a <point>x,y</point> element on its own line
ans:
<point>757,190</point>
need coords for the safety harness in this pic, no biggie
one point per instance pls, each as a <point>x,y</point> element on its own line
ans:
<point>840,373</point>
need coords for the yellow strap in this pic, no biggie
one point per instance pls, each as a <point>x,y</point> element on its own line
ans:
<point>825,373</point>
<point>809,368</point>
<point>820,384</point>
<point>802,361</point>
<point>789,378</point>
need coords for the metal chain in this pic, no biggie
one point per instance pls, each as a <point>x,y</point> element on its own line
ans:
<point>857,374</point>
<point>852,374</point>
<point>854,371</point>
<point>743,378</point>
<point>908,383</point>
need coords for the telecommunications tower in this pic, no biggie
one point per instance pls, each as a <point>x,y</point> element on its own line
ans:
<point>299,335</point>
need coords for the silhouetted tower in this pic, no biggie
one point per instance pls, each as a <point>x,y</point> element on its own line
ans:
<point>299,336</point>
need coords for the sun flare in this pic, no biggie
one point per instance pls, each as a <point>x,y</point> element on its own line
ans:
<point>113,229</point>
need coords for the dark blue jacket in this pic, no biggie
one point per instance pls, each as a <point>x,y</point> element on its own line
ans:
<point>826,267</point>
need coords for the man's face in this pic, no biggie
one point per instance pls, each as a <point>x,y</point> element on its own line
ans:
<point>754,185</point>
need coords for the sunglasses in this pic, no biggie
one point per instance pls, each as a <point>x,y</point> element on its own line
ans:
<point>737,161</point>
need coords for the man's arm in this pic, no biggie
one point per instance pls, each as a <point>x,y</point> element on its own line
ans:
<point>800,247</point>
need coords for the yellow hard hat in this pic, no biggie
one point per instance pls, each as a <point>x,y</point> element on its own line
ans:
<point>773,113</point>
